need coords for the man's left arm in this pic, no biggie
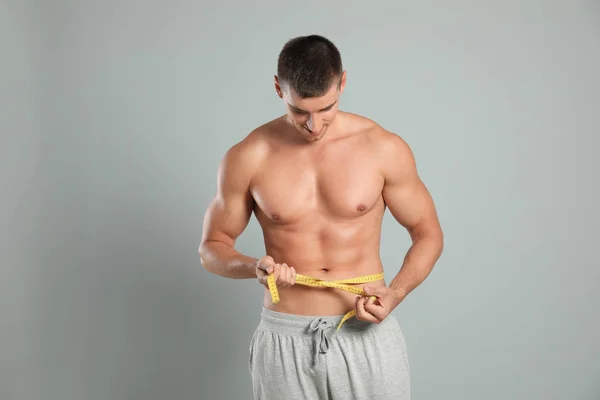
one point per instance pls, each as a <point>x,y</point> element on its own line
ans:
<point>411,204</point>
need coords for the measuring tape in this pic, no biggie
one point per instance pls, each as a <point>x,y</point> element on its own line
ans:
<point>343,284</point>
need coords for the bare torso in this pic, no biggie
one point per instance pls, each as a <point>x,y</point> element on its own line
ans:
<point>321,208</point>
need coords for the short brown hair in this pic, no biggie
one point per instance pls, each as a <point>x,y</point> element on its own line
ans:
<point>309,65</point>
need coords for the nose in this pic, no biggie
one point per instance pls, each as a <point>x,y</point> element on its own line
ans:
<point>314,123</point>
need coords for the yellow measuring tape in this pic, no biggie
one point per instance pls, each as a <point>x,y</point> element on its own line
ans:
<point>343,284</point>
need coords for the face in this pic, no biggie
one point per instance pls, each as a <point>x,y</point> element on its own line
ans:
<point>311,116</point>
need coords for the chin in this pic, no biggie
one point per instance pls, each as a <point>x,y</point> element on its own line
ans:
<point>313,138</point>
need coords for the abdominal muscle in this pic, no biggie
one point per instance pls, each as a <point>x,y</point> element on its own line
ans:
<point>306,300</point>
<point>315,260</point>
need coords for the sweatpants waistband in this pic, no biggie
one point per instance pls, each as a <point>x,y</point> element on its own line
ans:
<point>305,325</point>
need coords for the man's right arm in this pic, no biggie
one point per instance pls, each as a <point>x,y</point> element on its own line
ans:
<point>228,215</point>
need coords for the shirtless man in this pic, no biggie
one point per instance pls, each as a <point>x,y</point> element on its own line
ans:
<point>318,181</point>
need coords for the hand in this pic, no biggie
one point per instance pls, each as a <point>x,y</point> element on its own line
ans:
<point>285,276</point>
<point>377,303</point>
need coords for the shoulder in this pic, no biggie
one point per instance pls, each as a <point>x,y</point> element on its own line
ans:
<point>396,158</point>
<point>391,147</point>
<point>385,145</point>
<point>253,148</point>
<point>391,151</point>
<point>243,159</point>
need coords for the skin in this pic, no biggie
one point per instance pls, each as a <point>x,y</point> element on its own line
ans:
<point>319,181</point>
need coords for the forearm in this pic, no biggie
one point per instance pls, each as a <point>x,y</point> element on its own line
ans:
<point>222,259</point>
<point>418,263</point>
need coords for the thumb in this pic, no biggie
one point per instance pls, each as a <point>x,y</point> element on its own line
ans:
<point>371,291</point>
<point>377,293</point>
<point>267,263</point>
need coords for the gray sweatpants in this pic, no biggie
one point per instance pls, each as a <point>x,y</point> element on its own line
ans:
<point>303,357</point>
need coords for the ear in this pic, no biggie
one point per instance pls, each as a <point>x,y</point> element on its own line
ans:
<point>343,82</point>
<point>278,87</point>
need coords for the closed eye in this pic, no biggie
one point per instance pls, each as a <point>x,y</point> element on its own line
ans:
<point>303,112</point>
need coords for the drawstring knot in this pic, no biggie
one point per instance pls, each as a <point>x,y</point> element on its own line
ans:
<point>321,327</point>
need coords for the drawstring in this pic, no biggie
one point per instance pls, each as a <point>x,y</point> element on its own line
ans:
<point>321,328</point>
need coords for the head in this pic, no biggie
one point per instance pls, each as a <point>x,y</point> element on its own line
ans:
<point>310,80</point>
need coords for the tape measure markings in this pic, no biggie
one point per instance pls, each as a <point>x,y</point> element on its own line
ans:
<point>342,284</point>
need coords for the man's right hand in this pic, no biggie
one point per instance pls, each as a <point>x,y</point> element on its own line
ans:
<point>285,276</point>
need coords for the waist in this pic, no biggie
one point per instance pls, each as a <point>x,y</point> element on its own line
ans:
<point>300,325</point>
<point>309,300</point>
<point>349,285</point>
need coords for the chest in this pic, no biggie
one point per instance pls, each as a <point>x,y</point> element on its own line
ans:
<point>295,187</point>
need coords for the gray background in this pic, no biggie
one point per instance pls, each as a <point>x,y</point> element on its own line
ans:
<point>115,114</point>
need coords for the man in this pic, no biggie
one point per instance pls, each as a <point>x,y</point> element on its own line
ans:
<point>318,181</point>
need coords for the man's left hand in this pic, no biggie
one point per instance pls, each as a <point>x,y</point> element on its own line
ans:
<point>376,310</point>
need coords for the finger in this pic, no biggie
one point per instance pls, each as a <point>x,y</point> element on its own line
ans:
<point>262,278</point>
<point>267,261</point>
<point>376,310</point>
<point>370,301</point>
<point>260,275</point>
<point>380,293</point>
<point>279,271</point>
<point>376,300</point>
<point>286,275</point>
<point>267,264</point>
<point>363,314</point>
<point>293,275</point>
<point>263,281</point>
<point>267,268</point>
<point>374,291</point>
<point>281,276</point>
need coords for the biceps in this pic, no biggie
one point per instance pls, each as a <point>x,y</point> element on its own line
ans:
<point>226,218</point>
<point>411,205</point>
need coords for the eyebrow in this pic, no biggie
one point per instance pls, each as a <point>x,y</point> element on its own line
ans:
<point>322,109</point>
